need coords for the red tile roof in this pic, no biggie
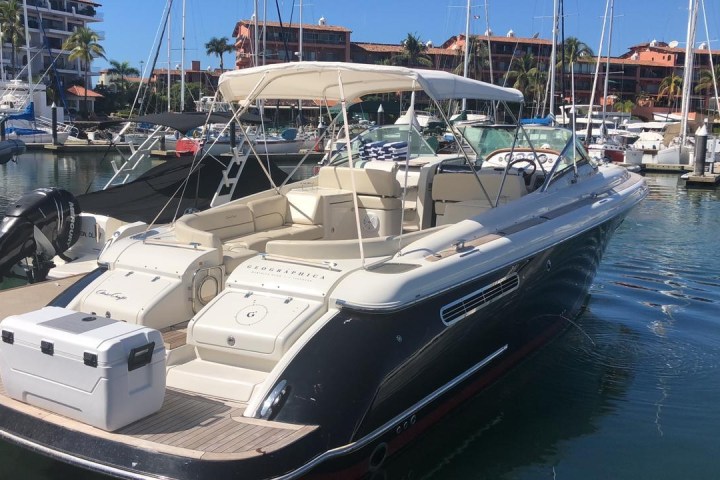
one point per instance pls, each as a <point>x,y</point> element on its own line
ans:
<point>79,91</point>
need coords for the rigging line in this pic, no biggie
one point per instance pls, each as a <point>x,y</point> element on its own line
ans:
<point>588,135</point>
<point>46,42</point>
<point>158,33</point>
<point>282,32</point>
<point>712,67</point>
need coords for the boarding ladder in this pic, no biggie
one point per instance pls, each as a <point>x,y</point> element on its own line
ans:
<point>231,175</point>
<point>128,167</point>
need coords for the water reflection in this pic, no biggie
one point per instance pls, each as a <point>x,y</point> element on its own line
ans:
<point>520,422</point>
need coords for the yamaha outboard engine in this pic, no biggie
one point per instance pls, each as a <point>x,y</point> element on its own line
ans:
<point>40,225</point>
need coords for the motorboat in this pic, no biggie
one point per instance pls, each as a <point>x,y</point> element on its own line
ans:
<point>319,326</point>
<point>422,118</point>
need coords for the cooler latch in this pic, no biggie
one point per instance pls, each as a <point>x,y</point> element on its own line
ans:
<point>8,337</point>
<point>140,356</point>
<point>90,359</point>
<point>48,348</point>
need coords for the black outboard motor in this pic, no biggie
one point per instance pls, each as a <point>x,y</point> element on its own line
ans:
<point>40,225</point>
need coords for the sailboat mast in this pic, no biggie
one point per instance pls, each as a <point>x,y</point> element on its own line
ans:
<point>553,56</point>
<point>27,47</point>
<point>687,74</point>
<point>588,135</point>
<point>264,39</point>
<point>607,67</point>
<point>182,61</point>
<point>300,56</point>
<point>467,49</point>
<point>710,57</point>
<point>256,40</point>
<point>169,60</point>
<point>2,61</point>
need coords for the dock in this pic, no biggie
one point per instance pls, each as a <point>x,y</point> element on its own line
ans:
<point>706,180</point>
<point>77,147</point>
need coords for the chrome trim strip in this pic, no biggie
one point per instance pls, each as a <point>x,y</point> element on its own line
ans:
<point>395,420</point>
<point>76,461</point>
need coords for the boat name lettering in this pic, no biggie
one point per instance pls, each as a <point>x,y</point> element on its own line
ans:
<point>116,296</point>
<point>287,271</point>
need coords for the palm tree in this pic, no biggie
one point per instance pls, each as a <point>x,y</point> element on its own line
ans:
<point>477,58</point>
<point>218,46</point>
<point>123,69</point>
<point>526,75</point>
<point>706,82</point>
<point>574,50</point>
<point>413,54</point>
<point>670,87</point>
<point>83,45</point>
<point>12,26</point>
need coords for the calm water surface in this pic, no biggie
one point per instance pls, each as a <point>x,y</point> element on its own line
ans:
<point>630,391</point>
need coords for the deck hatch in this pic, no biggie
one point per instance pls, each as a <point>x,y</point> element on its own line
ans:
<point>474,301</point>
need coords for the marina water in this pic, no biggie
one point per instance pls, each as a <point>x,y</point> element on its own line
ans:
<point>631,390</point>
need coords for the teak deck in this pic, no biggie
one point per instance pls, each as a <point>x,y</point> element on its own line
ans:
<point>188,424</point>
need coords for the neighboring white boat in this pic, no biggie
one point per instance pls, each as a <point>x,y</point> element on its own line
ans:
<point>317,326</point>
<point>423,118</point>
<point>49,233</point>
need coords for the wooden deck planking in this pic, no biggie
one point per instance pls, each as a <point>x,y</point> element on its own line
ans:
<point>193,426</point>
<point>188,428</point>
<point>174,337</point>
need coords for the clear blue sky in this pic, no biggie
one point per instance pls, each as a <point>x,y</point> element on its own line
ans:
<point>130,25</point>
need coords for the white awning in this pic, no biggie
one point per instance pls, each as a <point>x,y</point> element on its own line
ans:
<point>320,80</point>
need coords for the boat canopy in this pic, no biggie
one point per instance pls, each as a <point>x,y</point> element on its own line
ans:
<point>183,122</point>
<point>321,80</point>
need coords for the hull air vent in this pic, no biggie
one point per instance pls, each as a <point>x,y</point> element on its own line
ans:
<point>478,299</point>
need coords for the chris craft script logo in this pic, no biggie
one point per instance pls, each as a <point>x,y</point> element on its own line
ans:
<point>115,295</point>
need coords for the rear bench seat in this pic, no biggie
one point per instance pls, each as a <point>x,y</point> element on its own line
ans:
<point>241,231</point>
<point>213,227</point>
<point>278,217</point>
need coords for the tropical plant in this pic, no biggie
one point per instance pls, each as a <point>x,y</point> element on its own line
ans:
<point>670,87</point>
<point>573,51</point>
<point>12,27</point>
<point>706,83</point>
<point>413,54</point>
<point>83,45</point>
<point>477,58</point>
<point>218,46</point>
<point>624,106</point>
<point>123,69</point>
<point>525,75</point>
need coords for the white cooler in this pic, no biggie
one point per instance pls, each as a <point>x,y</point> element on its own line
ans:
<point>96,370</point>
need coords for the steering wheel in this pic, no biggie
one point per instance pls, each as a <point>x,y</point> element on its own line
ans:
<point>529,161</point>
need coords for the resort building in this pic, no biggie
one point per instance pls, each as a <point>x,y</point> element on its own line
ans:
<point>50,23</point>
<point>636,75</point>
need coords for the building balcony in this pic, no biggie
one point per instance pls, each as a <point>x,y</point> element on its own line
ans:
<point>56,7</point>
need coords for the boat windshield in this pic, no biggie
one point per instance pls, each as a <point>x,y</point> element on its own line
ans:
<point>485,139</point>
<point>388,142</point>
